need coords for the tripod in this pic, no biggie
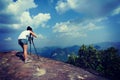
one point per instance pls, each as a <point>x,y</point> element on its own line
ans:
<point>30,39</point>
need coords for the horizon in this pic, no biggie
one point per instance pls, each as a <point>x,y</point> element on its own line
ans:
<point>109,44</point>
<point>60,22</point>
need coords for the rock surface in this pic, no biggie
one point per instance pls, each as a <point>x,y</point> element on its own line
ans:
<point>12,67</point>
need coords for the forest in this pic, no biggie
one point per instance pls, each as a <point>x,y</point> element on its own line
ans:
<point>104,62</point>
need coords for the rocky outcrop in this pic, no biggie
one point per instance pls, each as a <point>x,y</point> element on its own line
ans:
<point>12,67</point>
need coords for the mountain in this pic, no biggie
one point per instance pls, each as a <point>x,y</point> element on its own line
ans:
<point>72,49</point>
<point>13,68</point>
<point>105,45</point>
<point>61,54</point>
<point>46,51</point>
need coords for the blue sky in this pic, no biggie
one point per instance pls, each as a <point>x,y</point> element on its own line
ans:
<point>60,22</point>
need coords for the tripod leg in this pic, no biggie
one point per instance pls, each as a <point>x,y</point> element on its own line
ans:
<point>35,49</point>
<point>30,46</point>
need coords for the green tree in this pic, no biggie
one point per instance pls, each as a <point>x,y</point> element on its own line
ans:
<point>72,59</point>
<point>111,62</point>
<point>106,62</point>
<point>82,61</point>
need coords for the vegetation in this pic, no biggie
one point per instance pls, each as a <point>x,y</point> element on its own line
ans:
<point>106,62</point>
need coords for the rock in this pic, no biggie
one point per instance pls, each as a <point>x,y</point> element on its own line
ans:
<point>12,67</point>
<point>40,72</point>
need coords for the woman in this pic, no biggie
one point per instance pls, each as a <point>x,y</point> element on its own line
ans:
<point>23,41</point>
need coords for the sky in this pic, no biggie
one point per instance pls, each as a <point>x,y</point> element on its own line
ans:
<point>60,22</point>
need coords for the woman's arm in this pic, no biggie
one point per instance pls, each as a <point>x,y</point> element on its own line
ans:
<point>33,34</point>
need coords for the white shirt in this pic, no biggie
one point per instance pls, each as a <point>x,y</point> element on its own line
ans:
<point>24,35</point>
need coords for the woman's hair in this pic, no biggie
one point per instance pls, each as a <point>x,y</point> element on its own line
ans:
<point>29,28</point>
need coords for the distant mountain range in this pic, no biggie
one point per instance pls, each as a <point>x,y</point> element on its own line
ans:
<point>58,53</point>
<point>61,54</point>
<point>104,45</point>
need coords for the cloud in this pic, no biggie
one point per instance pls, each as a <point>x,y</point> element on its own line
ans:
<point>94,8</point>
<point>8,39</point>
<point>35,21</point>
<point>41,36</point>
<point>11,11</point>
<point>100,19</point>
<point>76,29</point>
<point>116,11</point>
<point>5,16</point>
<point>16,15</point>
<point>68,30</point>
<point>61,27</point>
<point>4,29</point>
<point>62,7</point>
<point>91,26</point>
<point>20,6</point>
<point>41,19</point>
<point>3,5</point>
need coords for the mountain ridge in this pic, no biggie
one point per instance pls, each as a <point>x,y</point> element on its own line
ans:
<point>13,68</point>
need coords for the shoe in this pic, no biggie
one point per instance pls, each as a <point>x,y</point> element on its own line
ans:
<point>28,60</point>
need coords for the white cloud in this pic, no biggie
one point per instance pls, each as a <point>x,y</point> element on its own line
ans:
<point>25,19</point>
<point>41,19</point>
<point>61,27</point>
<point>4,5</point>
<point>91,26</point>
<point>72,35</point>
<point>101,19</point>
<point>19,11</point>
<point>35,21</point>
<point>41,36</point>
<point>62,7</point>
<point>20,6</point>
<point>8,39</point>
<point>91,8</point>
<point>77,5</point>
<point>76,32</point>
<point>67,30</point>
<point>116,11</point>
<point>72,29</point>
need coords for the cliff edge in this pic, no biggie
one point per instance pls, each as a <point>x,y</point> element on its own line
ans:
<point>12,67</point>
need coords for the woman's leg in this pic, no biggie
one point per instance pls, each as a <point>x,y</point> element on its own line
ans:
<point>21,44</point>
<point>25,51</point>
